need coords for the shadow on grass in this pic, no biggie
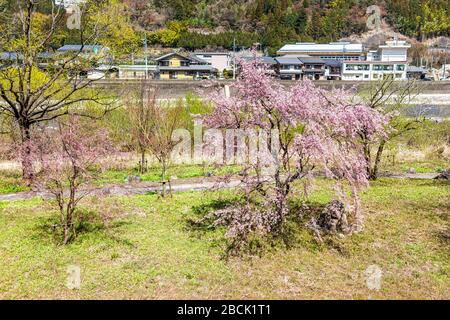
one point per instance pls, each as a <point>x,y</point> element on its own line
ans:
<point>89,224</point>
<point>201,225</point>
<point>294,233</point>
<point>297,234</point>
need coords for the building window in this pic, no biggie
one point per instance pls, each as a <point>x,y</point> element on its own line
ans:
<point>359,67</point>
<point>383,67</point>
<point>366,76</point>
<point>400,67</point>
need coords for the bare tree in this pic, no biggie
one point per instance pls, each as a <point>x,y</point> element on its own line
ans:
<point>32,94</point>
<point>153,123</point>
<point>140,105</point>
<point>390,98</point>
<point>164,120</point>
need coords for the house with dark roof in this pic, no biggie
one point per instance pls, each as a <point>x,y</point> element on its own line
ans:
<point>333,69</point>
<point>298,67</point>
<point>413,72</point>
<point>100,54</point>
<point>175,66</point>
<point>12,58</point>
<point>289,67</point>
<point>313,67</point>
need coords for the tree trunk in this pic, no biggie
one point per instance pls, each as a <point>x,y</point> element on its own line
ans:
<point>26,154</point>
<point>368,159</point>
<point>143,167</point>
<point>163,176</point>
<point>376,166</point>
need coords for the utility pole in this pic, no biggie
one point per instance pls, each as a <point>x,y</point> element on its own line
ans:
<point>234,59</point>
<point>145,56</point>
<point>445,61</point>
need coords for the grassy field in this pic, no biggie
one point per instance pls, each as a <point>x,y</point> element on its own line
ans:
<point>142,247</point>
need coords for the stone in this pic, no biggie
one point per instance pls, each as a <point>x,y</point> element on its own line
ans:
<point>333,217</point>
<point>133,179</point>
<point>209,174</point>
<point>412,171</point>
<point>444,175</point>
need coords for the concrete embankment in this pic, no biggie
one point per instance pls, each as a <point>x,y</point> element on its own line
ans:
<point>170,89</point>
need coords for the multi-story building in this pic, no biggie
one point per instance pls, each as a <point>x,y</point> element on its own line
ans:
<point>289,67</point>
<point>313,67</point>
<point>297,67</point>
<point>218,60</point>
<point>340,51</point>
<point>390,60</point>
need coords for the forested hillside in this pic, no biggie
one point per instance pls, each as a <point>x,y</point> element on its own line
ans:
<point>198,24</point>
<point>273,22</point>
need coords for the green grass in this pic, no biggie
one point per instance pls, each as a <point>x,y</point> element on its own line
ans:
<point>11,182</point>
<point>424,166</point>
<point>147,250</point>
<point>154,173</point>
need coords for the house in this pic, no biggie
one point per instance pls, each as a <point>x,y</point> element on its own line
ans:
<point>413,72</point>
<point>137,71</point>
<point>313,67</point>
<point>289,67</point>
<point>97,53</point>
<point>10,58</point>
<point>270,63</point>
<point>218,60</point>
<point>298,67</point>
<point>390,60</point>
<point>340,51</point>
<point>333,69</point>
<point>177,66</point>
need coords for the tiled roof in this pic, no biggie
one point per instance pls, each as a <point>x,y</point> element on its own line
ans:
<point>292,60</point>
<point>332,63</point>
<point>312,60</point>
<point>77,47</point>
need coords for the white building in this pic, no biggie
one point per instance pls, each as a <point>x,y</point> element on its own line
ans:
<point>340,51</point>
<point>137,71</point>
<point>390,60</point>
<point>218,60</point>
